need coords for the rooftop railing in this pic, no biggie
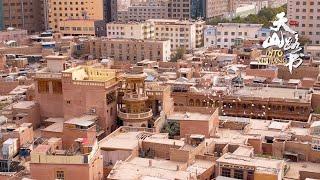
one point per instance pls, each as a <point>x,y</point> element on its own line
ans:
<point>134,116</point>
<point>134,97</point>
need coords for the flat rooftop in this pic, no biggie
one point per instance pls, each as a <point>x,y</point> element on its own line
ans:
<point>123,140</point>
<point>295,167</point>
<point>243,151</point>
<point>24,105</point>
<point>262,164</point>
<point>86,120</point>
<point>261,127</point>
<point>234,119</point>
<point>139,168</point>
<point>21,89</point>
<point>279,125</point>
<point>54,120</point>
<point>171,21</point>
<point>164,141</point>
<point>188,116</point>
<point>200,166</point>
<point>227,136</point>
<point>56,127</point>
<point>272,92</point>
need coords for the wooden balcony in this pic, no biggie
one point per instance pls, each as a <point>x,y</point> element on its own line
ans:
<point>134,97</point>
<point>134,116</point>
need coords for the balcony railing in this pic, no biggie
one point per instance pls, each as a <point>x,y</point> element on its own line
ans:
<point>48,75</point>
<point>134,116</point>
<point>134,97</point>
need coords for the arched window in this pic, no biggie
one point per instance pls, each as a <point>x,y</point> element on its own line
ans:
<point>204,103</point>
<point>191,102</point>
<point>197,102</point>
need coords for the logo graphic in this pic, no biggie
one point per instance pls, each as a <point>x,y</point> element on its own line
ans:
<point>285,45</point>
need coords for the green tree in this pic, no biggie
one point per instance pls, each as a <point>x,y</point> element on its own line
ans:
<point>265,17</point>
<point>178,54</point>
<point>172,128</point>
<point>304,40</point>
<point>317,110</point>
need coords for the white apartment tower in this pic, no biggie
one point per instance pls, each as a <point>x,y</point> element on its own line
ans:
<point>304,17</point>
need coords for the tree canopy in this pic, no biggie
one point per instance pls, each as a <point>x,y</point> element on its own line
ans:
<point>265,17</point>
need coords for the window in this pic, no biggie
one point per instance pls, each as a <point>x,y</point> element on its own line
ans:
<point>110,97</point>
<point>43,86</point>
<point>226,172</point>
<point>238,174</point>
<point>56,87</point>
<point>60,175</point>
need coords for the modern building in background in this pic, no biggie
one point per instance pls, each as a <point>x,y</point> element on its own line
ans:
<point>227,35</point>
<point>60,11</point>
<point>130,30</point>
<point>182,34</point>
<point>218,8</point>
<point>27,15</point>
<point>304,17</point>
<point>144,10</point>
<point>83,27</point>
<point>132,50</point>
<point>198,9</point>
<point>11,35</point>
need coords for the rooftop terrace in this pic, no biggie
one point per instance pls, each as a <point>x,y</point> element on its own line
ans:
<point>273,92</point>
<point>142,168</point>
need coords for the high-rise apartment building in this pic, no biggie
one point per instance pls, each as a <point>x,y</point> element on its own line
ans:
<point>132,50</point>
<point>27,15</point>
<point>304,17</point>
<point>227,35</point>
<point>198,9</point>
<point>182,34</point>
<point>144,10</point>
<point>179,9</point>
<point>218,8</point>
<point>138,10</point>
<point>134,30</point>
<point>70,9</point>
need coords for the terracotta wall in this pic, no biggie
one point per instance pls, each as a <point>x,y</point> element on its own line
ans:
<point>51,104</point>
<point>256,143</point>
<point>298,73</point>
<point>80,99</point>
<point>160,150</point>
<point>92,171</point>
<point>71,134</point>
<point>179,155</point>
<point>194,127</point>
<point>6,87</point>
<point>306,174</point>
